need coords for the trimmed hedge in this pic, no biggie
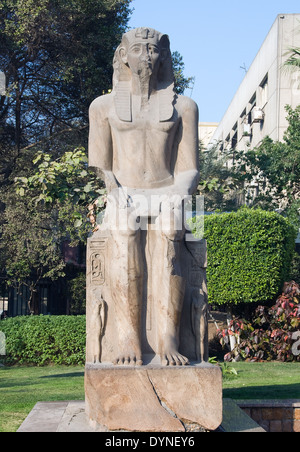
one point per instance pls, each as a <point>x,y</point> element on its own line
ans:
<point>249,255</point>
<point>42,340</point>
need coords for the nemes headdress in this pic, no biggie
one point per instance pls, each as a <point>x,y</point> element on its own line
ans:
<point>122,75</point>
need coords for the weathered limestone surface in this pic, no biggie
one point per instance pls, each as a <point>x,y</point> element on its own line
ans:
<point>102,334</point>
<point>154,398</point>
<point>146,276</point>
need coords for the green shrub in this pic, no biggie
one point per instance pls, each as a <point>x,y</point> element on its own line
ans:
<point>42,340</point>
<point>249,255</point>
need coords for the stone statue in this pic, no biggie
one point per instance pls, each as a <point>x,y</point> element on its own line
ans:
<point>146,275</point>
<point>144,144</point>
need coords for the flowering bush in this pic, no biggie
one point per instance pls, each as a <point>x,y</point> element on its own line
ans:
<point>271,334</point>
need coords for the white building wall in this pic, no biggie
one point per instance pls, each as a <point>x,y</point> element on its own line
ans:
<point>206,131</point>
<point>282,88</point>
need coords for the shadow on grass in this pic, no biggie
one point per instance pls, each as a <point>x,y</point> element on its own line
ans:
<point>289,391</point>
<point>66,375</point>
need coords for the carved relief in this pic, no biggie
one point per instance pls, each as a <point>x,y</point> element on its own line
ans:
<point>98,268</point>
<point>97,326</point>
<point>199,312</point>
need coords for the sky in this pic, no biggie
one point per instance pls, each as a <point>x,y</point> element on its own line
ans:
<point>218,41</point>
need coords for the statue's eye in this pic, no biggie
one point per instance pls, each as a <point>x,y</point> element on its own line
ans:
<point>136,49</point>
<point>153,49</point>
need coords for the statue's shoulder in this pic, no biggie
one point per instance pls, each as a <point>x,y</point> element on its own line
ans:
<point>101,105</point>
<point>186,104</point>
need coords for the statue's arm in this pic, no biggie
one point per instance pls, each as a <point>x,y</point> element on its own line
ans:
<point>187,166</point>
<point>100,142</point>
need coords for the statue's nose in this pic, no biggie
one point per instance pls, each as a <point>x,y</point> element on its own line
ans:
<point>145,53</point>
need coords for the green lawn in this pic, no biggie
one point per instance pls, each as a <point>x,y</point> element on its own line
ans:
<point>272,380</point>
<point>22,387</point>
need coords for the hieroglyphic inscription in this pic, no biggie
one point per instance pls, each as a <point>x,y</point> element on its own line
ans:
<point>98,268</point>
<point>98,262</point>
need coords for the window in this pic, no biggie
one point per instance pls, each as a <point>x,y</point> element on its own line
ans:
<point>263,91</point>
<point>252,101</point>
<point>234,140</point>
<point>251,105</point>
<point>227,141</point>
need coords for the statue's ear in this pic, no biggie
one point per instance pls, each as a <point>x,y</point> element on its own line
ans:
<point>123,55</point>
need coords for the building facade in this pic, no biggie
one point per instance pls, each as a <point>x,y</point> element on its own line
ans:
<point>258,107</point>
<point>206,132</point>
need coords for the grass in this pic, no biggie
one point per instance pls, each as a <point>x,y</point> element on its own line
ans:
<point>268,380</point>
<point>22,387</point>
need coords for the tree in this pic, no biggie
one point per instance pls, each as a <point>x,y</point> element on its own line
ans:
<point>181,82</point>
<point>276,167</point>
<point>56,56</point>
<point>219,183</point>
<point>29,250</point>
<point>293,62</point>
<point>45,209</point>
<point>65,188</point>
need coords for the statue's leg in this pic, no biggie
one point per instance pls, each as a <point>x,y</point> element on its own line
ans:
<point>126,275</point>
<point>170,294</point>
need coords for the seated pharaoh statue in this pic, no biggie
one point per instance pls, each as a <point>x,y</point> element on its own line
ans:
<point>146,290</point>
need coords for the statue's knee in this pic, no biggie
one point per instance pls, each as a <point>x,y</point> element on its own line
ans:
<point>128,233</point>
<point>173,234</point>
<point>129,224</point>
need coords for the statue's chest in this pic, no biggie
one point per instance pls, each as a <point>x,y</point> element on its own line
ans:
<point>145,127</point>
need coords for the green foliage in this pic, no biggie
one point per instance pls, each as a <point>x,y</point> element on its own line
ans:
<point>293,61</point>
<point>63,186</point>
<point>42,340</point>
<point>77,294</point>
<point>228,372</point>
<point>270,335</point>
<point>55,54</point>
<point>29,246</point>
<point>295,269</point>
<point>181,82</point>
<point>249,255</point>
<point>276,167</point>
<point>53,204</point>
<point>219,183</point>
<point>57,57</point>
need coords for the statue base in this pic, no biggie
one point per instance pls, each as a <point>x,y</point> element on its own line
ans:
<point>153,398</point>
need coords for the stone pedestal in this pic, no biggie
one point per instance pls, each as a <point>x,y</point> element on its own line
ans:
<point>153,398</point>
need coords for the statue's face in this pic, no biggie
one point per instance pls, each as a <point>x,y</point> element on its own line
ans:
<point>143,57</point>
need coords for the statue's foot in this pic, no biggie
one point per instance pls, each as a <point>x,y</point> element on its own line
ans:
<point>130,352</point>
<point>169,353</point>
<point>128,360</point>
<point>173,358</point>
